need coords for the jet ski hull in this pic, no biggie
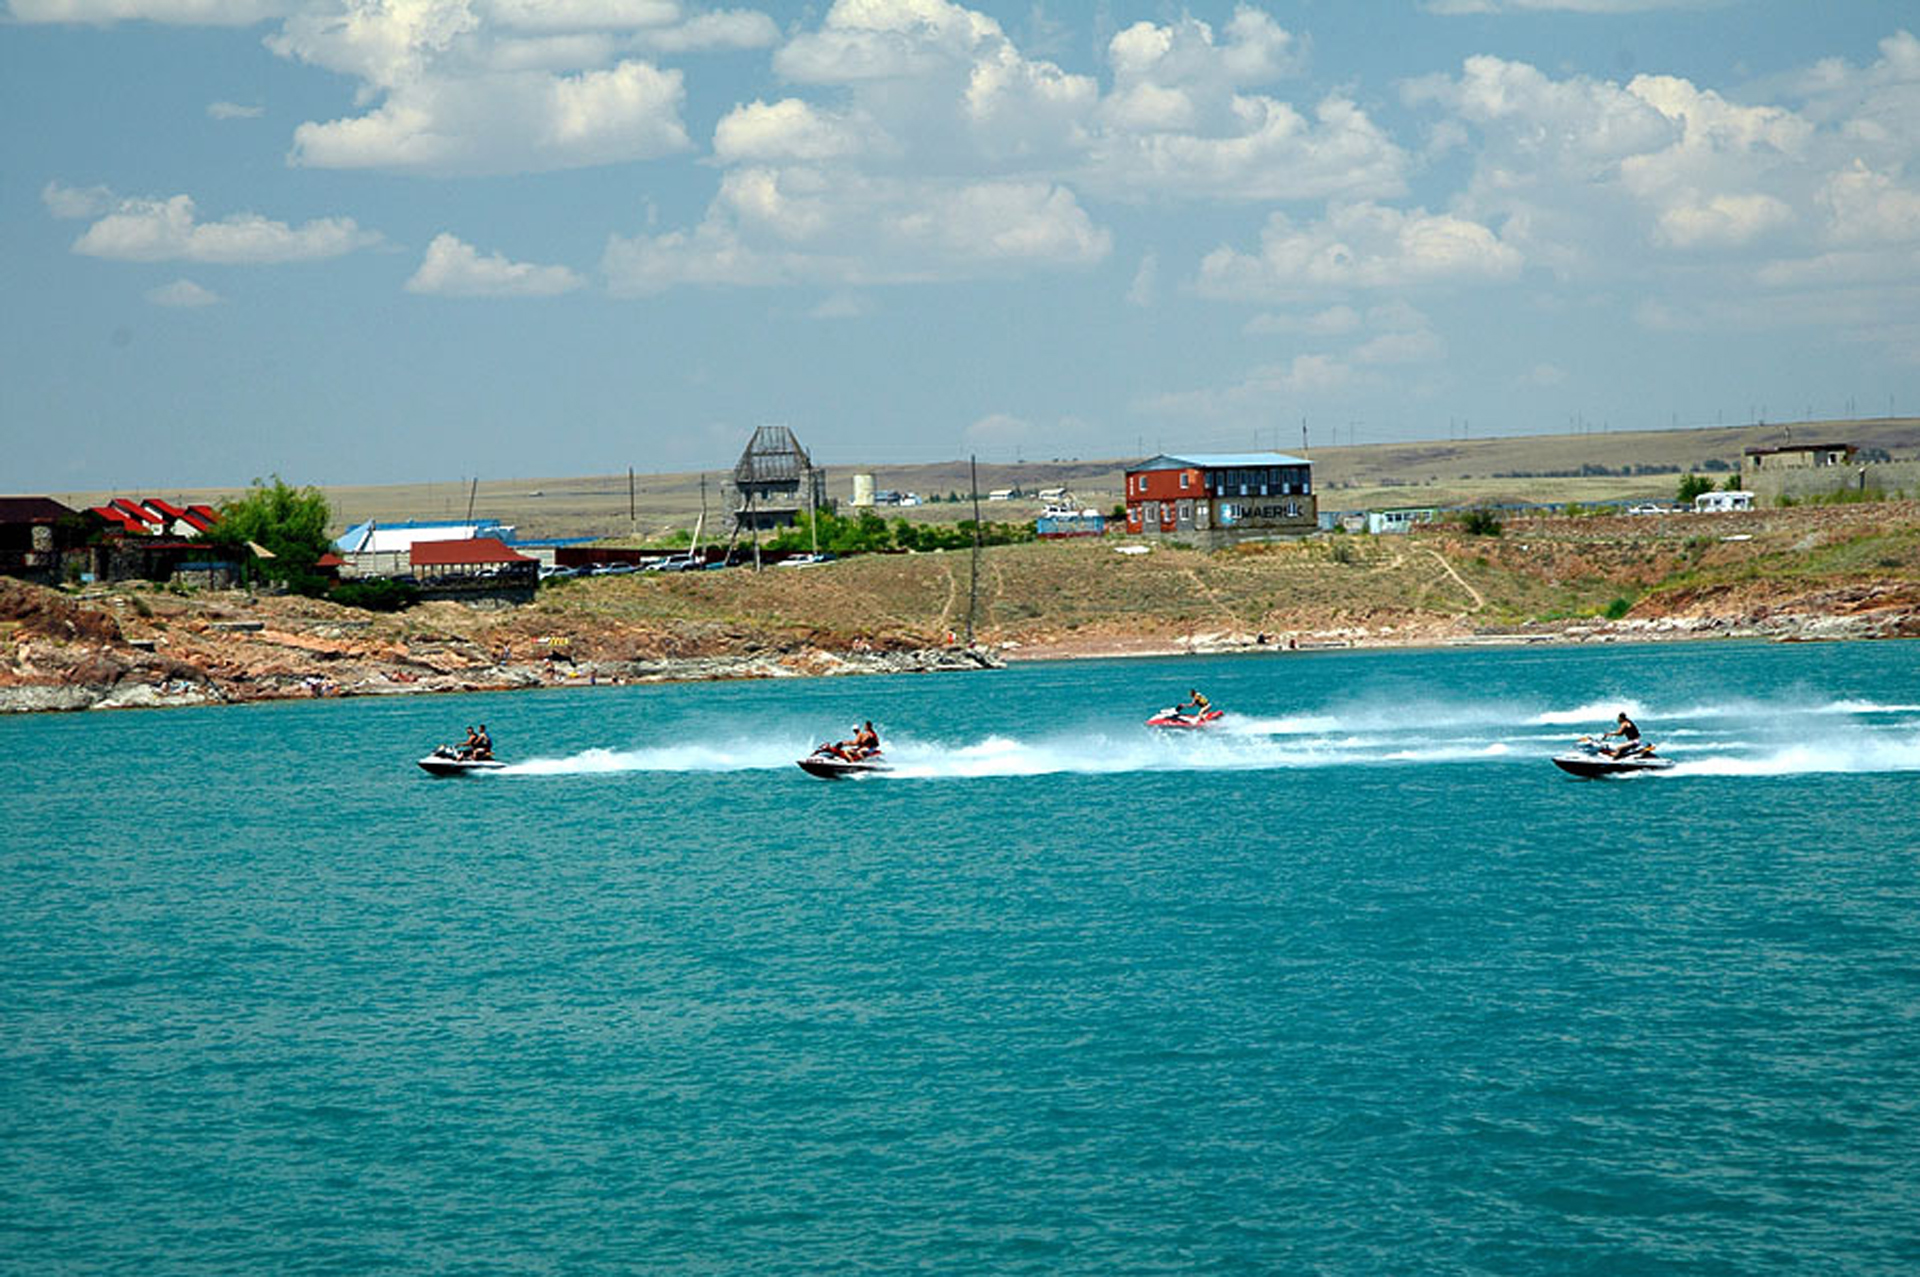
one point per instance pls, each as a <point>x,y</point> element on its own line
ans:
<point>1168,718</point>
<point>1594,766</point>
<point>439,765</point>
<point>833,767</point>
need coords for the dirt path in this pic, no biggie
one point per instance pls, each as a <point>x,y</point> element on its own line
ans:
<point>1478,601</point>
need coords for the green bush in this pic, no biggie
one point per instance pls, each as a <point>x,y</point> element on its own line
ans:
<point>377,594</point>
<point>1619,608</point>
<point>1480,523</point>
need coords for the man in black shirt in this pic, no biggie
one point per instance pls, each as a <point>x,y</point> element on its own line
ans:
<point>1629,737</point>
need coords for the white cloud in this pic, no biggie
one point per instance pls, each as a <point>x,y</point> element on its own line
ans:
<point>789,129</point>
<point>1005,435</point>
<point>156,230</point>
<point>794,225</point>
<point>1253,400</point>
<point>209,13</point>
<point>1330,322</point>
<point>182,294</point>
<point>730,29</point>
<point>1145,285</point>
<point>452,268</point>
<point>454,88</point>
<point>74,202</point>
<point>233,111</point>
<point>507,123</point>
<point>1359,246</point>
<point>841,305</point>
<point>1721,221</point>
<point>1866,207</point>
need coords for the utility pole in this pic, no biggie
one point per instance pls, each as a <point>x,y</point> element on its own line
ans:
<point>973,577</point>
<point>633,520</point>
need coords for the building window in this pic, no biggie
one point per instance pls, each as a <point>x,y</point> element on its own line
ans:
<point>1183,481</point>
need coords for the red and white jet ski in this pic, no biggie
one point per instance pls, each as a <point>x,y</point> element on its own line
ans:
<point>833,762</point>
<point>1173,717</point>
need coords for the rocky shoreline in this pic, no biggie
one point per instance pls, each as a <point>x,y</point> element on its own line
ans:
<point>145,647</point>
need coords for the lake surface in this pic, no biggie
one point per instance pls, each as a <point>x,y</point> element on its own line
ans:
<point>1359,983</point>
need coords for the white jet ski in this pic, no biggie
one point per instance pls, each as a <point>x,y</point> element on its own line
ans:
<point>447,761</point>
<point>1173,716</point>
<point>830,762</point>
<point>1592,760</point>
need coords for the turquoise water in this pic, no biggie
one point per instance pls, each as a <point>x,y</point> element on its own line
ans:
<point>1359,983</point>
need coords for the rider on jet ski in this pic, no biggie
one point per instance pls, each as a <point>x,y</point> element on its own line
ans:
<point>1629,736</point>
<point>864,744</point>
<point>1198,704</point>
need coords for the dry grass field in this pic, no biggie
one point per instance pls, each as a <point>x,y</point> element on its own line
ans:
<point>1050,594</point>
<point>1367,476</point>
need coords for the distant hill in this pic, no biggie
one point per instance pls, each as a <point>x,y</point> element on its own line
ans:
<point>1518,468</point>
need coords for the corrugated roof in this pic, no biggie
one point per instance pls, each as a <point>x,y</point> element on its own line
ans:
<point>440,554</point>
<point>1218,461</point>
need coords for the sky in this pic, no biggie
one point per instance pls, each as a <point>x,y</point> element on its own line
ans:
<point>373,241</point>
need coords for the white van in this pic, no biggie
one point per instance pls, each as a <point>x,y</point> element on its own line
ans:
<point>1720,502</point>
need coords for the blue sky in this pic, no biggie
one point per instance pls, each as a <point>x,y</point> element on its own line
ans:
<point>396,240</point>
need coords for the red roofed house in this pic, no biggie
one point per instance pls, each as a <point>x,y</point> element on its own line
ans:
<point>479,556</point>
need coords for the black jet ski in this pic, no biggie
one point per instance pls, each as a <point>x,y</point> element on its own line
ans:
<point>831,762</point>
<point>1592,760</point>
<point>448,761</point>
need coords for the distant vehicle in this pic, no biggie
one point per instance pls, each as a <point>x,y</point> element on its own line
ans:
<point>805,560</point>
<point>620,569</point>
<point>1721,502</point>
<point>558,574</point>
<point>1647,507</point>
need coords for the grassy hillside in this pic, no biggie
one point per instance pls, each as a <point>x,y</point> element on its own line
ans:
<point>1538,570</point>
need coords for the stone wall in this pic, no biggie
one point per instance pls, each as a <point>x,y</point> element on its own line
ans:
<point>1893,478</point>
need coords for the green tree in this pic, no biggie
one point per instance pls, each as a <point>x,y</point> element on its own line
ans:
<point>1691,486</point>
<point>1732,484</point>
<point>290,523</point>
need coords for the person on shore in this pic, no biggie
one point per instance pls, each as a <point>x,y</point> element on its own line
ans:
<point>1629,735</point>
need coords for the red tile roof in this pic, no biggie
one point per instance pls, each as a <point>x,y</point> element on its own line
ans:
<point>479,550</point>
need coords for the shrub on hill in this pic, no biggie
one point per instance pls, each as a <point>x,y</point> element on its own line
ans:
<point>378,594</point>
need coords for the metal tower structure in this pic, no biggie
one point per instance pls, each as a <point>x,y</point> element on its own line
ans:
<point>773,481</point>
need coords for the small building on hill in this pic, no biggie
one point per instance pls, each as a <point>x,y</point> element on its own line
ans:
<point>1216,499</point>
<point>1815,470</point>
<point>478,556</point>
<point>33,533</point>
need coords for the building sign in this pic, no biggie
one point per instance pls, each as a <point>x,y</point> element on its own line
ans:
<point>1264,513</point>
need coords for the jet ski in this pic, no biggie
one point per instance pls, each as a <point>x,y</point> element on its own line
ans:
<point>1172,717</point>
<point>831,762</point>
<point>447,761</point>
<point>1592,761</point>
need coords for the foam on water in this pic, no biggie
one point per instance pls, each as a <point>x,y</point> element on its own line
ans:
<point>1807,735</point>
